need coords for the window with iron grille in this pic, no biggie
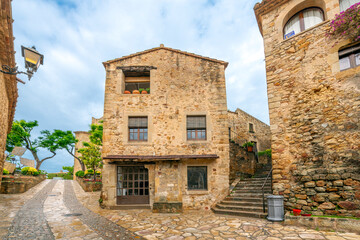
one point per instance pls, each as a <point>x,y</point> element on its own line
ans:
<point>138,128</point>
<point>197,178</point>
<point>196,127</point>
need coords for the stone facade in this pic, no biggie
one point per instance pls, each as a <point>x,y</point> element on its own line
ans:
<point>314,112</point>
<point>240,132</point>
<point>8,84</point>
<point>182,84</point>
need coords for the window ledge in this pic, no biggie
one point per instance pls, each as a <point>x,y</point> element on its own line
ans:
<point>197,141</point>
<point>137,144</point>
<point>305,31</point>
<point>197,192</point>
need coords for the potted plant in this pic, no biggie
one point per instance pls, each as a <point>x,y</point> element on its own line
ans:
<point>136,92</point>
<point>296,212</point>
<point>127,92</point>
<point>143,91</point>
<point>249,146</point>
<point>148,90</point>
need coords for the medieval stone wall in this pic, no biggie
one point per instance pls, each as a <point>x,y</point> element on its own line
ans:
<point>314,114</point>
<point>180,85</point>
<point>8,86</point>
<point>82,137</point>
<point>239,129</point>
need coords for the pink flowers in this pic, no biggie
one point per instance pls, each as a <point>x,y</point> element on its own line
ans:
<point>346,24</point>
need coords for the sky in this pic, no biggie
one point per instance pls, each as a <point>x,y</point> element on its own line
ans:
<point>76,36</point>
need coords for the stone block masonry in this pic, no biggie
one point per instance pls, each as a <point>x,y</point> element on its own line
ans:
<point>8,84</point>
<point>314,112</point>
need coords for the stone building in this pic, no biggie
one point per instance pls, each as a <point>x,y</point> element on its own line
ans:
<point>167,149</point>
<point>314,104</point>
<point>245,128</point>
<point>8,84</point>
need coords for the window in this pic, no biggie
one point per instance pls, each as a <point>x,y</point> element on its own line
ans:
<point>251,127</point>
<point>138,129</point>
<point>197,178</point>
<point>349,57</point>
<point>345,4</point>
<point>137,83</point>
<point>196,127</point>
<point>303,20</point>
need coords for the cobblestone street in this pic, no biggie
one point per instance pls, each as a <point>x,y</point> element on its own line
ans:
<point>60,210</point>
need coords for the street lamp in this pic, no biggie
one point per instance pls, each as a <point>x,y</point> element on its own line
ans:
<point>33,59</point>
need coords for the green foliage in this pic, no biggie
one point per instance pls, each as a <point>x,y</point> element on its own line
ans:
<point>346,24</point>
<point>267,153</point>
<point>148,90</point>
<point>80,174</point>
<point>101,200</point>
<point>89,172</point>
<point>248,144</point>
<point>20,135</point>
<point>96,134</point>
<point>65,176</point>
<point>29,171</point>
<point>5,172</point>
<point>69,169</point>
<point>91,156</point>
<point>42,172</point>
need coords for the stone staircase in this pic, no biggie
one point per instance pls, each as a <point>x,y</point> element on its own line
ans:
<point>245,198</point>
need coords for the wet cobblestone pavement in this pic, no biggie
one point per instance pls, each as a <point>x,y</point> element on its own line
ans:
<point>30,221</point>
<point>60,210</point>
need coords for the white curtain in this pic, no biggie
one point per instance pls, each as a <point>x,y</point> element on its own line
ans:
<point>344,63</point>
<point>312,17</point>
<point>345,4</point>
<point>293,25</point>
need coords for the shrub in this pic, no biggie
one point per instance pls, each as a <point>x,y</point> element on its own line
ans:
<point>29,171</point>
<point>267,153</point>
<point>89,172</point>
<point>43,172</point>
<point>346,24</point>
<point>248,144</point>
<point>98,173</point>
<point>80,174</point>
<point>5,172</point>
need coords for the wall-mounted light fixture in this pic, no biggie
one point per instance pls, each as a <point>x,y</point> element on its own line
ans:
<point>33,59</point>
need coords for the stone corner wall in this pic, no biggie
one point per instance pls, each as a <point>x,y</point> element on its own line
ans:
<point>82,136</point>
<point>314,116</point>
<point>8,84</point>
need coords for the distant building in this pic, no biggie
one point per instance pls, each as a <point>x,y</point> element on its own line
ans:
<point>313,91</point>
<point>8,83</point>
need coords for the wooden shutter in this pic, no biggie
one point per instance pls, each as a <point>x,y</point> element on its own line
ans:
<point>138,122</point>
<point>196,122</point>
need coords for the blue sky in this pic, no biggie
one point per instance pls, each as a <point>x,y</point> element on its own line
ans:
<point>76,36</point>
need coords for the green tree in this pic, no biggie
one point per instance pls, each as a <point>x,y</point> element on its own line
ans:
<point>91,156</point>
<point>67,141</point>
<point>96,134</point>
<point>69,169</point>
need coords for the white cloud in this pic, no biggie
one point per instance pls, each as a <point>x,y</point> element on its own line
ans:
<point>76,36</point>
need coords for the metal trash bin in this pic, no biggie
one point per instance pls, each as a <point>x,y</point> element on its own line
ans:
<point>275,208</point>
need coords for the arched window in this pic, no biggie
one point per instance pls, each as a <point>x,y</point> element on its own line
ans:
<point>345,4</point>
<point>303,20</point>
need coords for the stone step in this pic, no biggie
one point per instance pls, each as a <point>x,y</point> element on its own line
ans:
<point>239,213</point>
<point>254,179</point>
<point>240,202</point>
<point>251,190</point>
<point>253,184</point>
<point>249,195</point>
<point>244,198</point>
<point>240,208</point>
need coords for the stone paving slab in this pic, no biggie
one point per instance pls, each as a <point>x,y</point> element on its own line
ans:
<point>63,224</point>
<point>192,225</point>
<point>30,221</point>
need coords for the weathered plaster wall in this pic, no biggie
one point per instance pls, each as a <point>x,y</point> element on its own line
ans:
<point>314,114</point>
<point>8,84</point>
<point>239,123</point>
<point>181,85</point>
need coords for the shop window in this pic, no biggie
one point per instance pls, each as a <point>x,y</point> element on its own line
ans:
<point>197,178</point>
<point>303,20</point>
<point>138,129</point>
<point>345,4</point>
<point>349,57</point>
<point>196,127</point>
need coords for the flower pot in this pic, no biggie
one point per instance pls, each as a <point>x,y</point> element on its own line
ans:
<point>136,92</point>
<point>127,92</point>
<point>144,92</point>
<point>296,212</point>
<point>249,148</point>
